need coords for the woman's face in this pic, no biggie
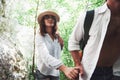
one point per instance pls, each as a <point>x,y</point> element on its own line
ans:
<point>49,20</point>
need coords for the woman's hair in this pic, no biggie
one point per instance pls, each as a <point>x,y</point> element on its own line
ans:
<point>43,27</point>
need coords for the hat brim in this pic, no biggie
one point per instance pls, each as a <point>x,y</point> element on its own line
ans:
<point>48,13</point>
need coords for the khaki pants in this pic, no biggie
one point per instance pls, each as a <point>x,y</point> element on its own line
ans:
<point>40,76</point>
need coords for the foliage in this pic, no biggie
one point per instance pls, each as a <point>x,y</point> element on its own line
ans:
<point>67,9</point>
<point>30,74</point>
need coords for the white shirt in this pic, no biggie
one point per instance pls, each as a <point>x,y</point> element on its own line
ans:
<point>48,55</point>
<point>97,34</point>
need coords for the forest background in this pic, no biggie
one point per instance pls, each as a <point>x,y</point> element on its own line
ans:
<point>24,14</point>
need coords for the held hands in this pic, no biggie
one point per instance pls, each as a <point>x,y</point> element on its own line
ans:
<point>70,72</point>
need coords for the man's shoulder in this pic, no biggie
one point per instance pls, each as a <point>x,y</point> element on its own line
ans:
<point>101,9</point>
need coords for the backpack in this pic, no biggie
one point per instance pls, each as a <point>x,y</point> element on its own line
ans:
<point>87,24</point>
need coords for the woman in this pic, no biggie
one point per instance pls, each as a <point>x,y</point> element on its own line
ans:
<point>49,45</point>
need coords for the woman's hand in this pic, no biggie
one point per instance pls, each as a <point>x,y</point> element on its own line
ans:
<point>70,72</point>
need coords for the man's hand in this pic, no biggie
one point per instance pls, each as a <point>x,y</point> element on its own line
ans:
<point>80,68</point>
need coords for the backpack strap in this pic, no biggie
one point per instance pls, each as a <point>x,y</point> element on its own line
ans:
<point>87,24</point>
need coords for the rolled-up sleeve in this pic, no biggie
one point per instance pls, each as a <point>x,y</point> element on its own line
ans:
<point>77,34</point>
<point>43,54</point>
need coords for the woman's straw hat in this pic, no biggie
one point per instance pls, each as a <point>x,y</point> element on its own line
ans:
<point>48,13</point>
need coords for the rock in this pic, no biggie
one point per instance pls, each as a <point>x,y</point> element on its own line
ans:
<point>12,63</point>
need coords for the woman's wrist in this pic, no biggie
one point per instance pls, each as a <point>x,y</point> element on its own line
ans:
<point>62,68</point>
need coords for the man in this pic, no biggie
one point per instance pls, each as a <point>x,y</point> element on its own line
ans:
<point>102,49</point>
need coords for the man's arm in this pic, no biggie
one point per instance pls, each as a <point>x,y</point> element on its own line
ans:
<point>73,43</point>
<point>77,56</point>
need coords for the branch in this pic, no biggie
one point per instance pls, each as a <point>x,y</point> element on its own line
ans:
<point>33,66</point>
